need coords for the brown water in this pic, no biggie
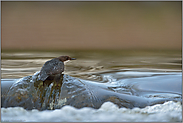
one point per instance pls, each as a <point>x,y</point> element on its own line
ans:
<point>90,63</point>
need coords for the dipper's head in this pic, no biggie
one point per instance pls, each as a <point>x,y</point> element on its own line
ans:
<point>65,58</point>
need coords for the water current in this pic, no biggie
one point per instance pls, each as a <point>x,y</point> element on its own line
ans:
<point>98,86</point>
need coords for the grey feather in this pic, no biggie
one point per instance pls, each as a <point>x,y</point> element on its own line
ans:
<point>51,68</point>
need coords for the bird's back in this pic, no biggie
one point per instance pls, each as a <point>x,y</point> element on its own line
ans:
<point>51,68</point>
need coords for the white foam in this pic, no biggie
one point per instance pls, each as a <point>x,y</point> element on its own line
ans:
<point>108,112</point>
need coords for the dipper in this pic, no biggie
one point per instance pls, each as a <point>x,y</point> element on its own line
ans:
<point>53,67</point>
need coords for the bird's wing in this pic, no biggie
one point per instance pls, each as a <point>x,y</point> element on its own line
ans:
<point>44,71</point>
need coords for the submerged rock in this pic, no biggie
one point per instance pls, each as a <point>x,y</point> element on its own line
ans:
<point>29,92</point>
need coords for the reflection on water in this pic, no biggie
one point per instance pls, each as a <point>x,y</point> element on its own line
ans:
<point>90,64</point>
<point>126,78</point>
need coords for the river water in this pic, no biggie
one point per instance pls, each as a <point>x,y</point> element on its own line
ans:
<point>143,74</point>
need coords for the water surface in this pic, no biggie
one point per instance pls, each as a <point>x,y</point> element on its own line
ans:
<point>142,74</point>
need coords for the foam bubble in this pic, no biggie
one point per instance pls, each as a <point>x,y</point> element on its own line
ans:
<point>108,112</point>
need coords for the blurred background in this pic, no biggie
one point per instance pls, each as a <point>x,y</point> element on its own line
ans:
<point>91,25</point>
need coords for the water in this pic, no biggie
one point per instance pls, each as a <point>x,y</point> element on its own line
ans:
<point>140,78</point>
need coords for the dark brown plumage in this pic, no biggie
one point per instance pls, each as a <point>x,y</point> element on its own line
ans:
<point>53,67</point>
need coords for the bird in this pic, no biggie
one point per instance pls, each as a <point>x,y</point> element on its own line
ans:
<point>53,67</point>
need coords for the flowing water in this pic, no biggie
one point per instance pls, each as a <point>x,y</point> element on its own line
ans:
<point>142,78</point>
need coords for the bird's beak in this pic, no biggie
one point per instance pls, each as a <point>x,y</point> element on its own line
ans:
<point>73,58</point>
